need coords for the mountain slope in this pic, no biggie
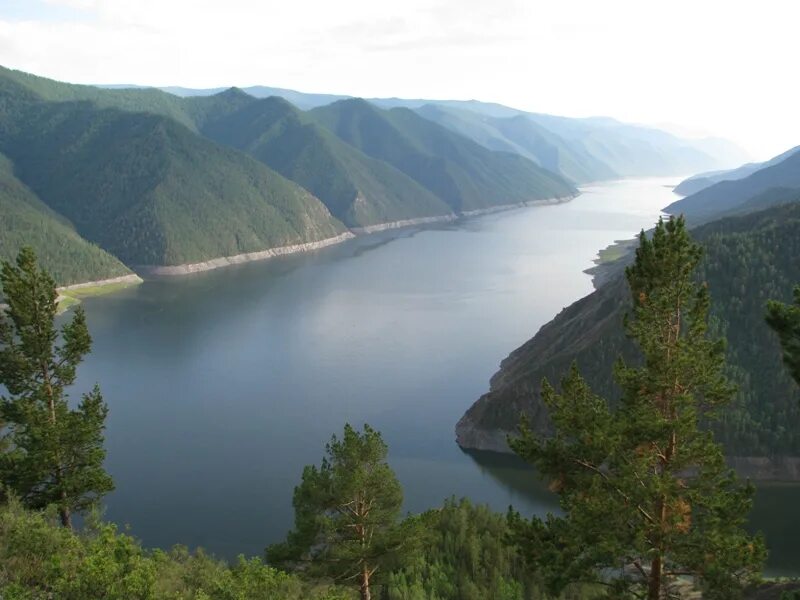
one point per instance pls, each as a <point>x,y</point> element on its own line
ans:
<point>703,180</point>
<point>748,260</point>
<point>26,221</point>
<point>726,196</point>
<point>522,136</point>
<point>359,190</point>
<point>152,192</point>
<point>461,172</point>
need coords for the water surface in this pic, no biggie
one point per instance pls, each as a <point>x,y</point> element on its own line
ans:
<point>222,385</point>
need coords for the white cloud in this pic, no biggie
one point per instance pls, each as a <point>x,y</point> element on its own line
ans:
<point>723,67</point>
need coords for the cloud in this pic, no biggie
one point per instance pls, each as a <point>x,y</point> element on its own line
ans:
<point>723,67</point>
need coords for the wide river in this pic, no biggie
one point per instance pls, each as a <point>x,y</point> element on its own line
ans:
<point>223,385</point>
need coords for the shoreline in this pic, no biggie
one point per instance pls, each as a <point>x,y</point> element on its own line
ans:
<point>225,261</point>
<point>236,259</point>
<point>132,279</point>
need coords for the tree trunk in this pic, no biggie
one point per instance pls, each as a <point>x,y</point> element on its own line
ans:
<point>654,588</point>
<point>66,517</point>
<point>365,593</point>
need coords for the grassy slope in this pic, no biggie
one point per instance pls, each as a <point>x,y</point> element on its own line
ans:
<point>748,259</point>
<point>27,221</point>
<point>459,171</point>
<point>357,189</point>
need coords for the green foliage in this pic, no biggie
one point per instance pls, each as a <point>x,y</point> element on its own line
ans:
<point>784,319</point>
<point>151,192</point>
<point>747,261</point>
<point>347,515</point>
<point>62,252</point>
<point>56,453</point>
<point>464,174</point>
<point>357,189</point>
<point>465,556</point>
<point>40,561</point>
<point>645,492</point>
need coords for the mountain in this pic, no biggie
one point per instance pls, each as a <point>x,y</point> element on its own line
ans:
<point>359,190</point>
<point>748,259</point>
<point>622,149</point>
<point>700,182</point>
<point>142,185</point>
<point>521,135</point>
<point>464,174</point>
<point>726,196</point>
<point>29,222</point>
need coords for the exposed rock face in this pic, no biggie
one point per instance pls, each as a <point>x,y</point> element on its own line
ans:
<point>514,389</point>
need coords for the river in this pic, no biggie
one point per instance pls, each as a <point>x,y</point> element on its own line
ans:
<point>223,385</point>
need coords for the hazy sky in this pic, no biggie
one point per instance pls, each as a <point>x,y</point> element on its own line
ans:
<point>727,68</point>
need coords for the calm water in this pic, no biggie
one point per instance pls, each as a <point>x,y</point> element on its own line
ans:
<point>223,385</point>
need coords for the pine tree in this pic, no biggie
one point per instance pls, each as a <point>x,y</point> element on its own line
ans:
<point>56,453</point>
<point>646,495</point>
<point>347,514</point>
<point>785,321</point>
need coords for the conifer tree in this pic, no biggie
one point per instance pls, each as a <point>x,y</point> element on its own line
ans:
<point>347,514</point>
<point>645,492</point>
<point>785,321</point>
<point>56,453</point>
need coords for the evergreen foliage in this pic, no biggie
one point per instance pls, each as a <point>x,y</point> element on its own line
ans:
<point>347,514</point>
<point>56,453</point>
<point>784,319</point>
<point>645,492</point>
<point>461,172</point>
<point>61,250</point>
<point>747,260</point>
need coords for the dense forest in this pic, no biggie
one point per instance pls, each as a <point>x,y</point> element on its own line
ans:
<point>747,260</point>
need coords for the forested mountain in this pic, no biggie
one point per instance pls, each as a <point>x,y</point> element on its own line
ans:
<point>151,192</point>
<point>156,179</point>
<point>459,171</point>
<point>748,259</point>
<point>521,135</point>
<point>27,220</point>
<point>611,148</point>
<point>726,196</point>
<point>358,190</point>
<point>694,184</point>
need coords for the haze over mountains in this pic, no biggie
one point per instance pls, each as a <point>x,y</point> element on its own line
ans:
<point>119,179</point>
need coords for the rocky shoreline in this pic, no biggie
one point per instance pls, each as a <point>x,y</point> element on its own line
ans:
<point>133,278</point>
<point>224,261</point>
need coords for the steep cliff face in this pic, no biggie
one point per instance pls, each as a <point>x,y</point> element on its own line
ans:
<point>748,260</point>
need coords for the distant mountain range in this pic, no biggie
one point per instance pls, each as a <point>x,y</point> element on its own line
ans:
<point>112,180</point>
<point>586,149</point>
<point>694,184</point>
<point>751,234</point>
<point>742,190</point>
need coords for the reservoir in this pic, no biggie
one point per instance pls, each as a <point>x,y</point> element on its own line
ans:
<point>223,385</point>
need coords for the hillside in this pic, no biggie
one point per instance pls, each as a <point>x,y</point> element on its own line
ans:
<point>748,260</point>
<point>726,196</point>
<point>359,190</point>
<point>150,191</point>
<point>461,172</point>
<point>522,136</point>
<point>694,184</point>
<point>28,222</point>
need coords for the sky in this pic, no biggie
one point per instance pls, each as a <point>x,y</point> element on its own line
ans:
<point>700,67</point>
